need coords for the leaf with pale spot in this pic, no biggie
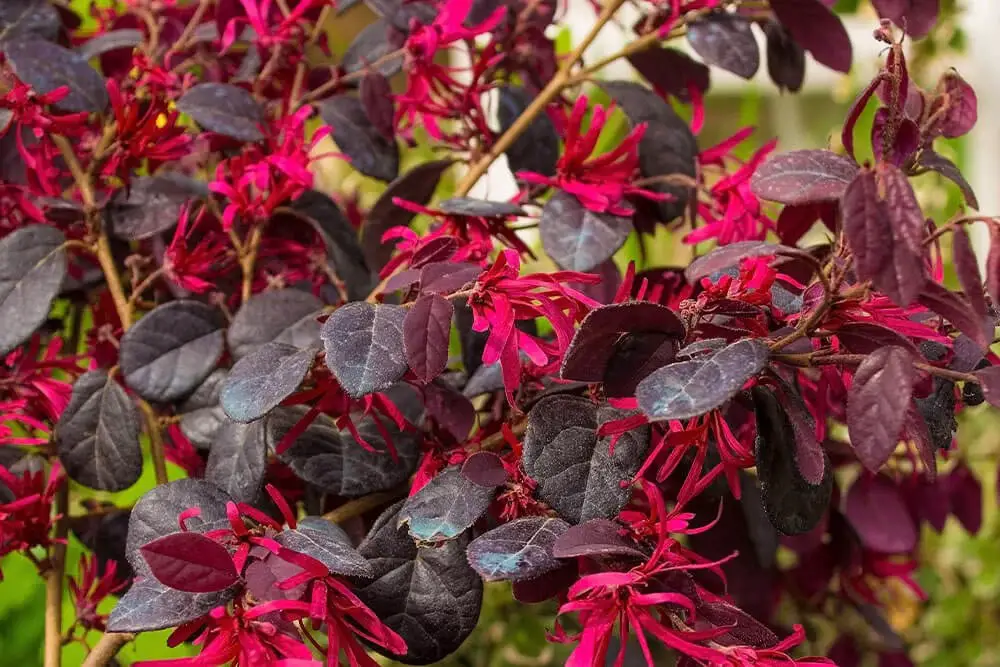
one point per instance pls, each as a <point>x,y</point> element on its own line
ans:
<point>519,550</point>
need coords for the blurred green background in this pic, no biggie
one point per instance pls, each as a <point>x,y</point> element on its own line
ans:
<point>958,626</point>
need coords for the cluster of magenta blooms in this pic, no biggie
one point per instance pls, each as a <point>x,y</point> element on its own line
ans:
<point>670,548</point>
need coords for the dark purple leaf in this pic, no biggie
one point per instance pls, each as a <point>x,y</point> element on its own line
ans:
<point>809,457</point>
<point>283,315</point>
<point>365,346</point>
<point>429,595</point>
<point>877,511</point>
<point>485,469</point>
<point>260,381</point>
<point>934,425</point>
<point>547,586</point>
<point>537,148</point>
<point>691,388</point>
<point>200,413</point>
<point>786,59</point>
<point>447,277</point>
<point>804,177</point>
<point>28,19</point>
<point>593,344</point>
<point>329,544</point>
<point>579,239</point>
<point>818,30</point>
<point>113,40</point>
<point>445,507</point>
<point>885,228</point>
<point>480,208</point>
<point>671,71</point>
<point>965,494</point>
<point>376,97</point>
<point>596,538</point>
<point>190,562</point>
<point>945,167</point>
<point>792,504</point>
<point>956,309</point>
<point>32,270</point>
<point>152,205</point>
<point>426,331</point>
<point>371,45</point>
<point>356,135</point>
<point>727,256</point>
<point>519,550</point>
<point>46,66</point>
<point>967,268</point>
<point>343,247</point>
<point>877,403</point>
<point>667,149</point>
<point>224,109</point>
<point>901,140</point>
<point>149,605</point>
<point>238,460</point>
<point>156,514</point>
<point>335,462</point>
<point>577,473</point>
<point>172,349</point>
<point>916,16</point>
<point>417,186</point>
<point>725,40</point>
<point>97,436</point>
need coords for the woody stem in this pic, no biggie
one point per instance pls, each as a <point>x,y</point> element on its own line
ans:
<point>107,648</point>
<point>54,582</point>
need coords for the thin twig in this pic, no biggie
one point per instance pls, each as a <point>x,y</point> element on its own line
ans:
<point>54,581</point>
<point>107,648</point>
<point>155,442</point>
<point>359,506</point>
<point>537,106</point>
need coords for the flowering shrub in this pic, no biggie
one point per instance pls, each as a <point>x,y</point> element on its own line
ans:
<point>370,411</point>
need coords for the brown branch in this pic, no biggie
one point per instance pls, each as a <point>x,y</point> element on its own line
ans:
<point>537,106</point>
<point>155,442</point>
<point>810,359</point>
<point>54,582</point>
<point>248,259</point>
<point>107,648</point>
<point>359,506</point>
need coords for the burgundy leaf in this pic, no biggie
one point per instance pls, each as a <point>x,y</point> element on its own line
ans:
<point>426,330</point>
<point>877,403</point>
<point>993,264</point>
<point>485,469</point>
<point>965,495</point>
<point>884,226</point>
<point>989,378</point>
<point>190,562</point>
<point>727,256</point>
<point>726,41</point>
<point>854,114</point>
<point>595,538</point>
<point>604,326</point>
<point>945,167</point>
<point>804,177</point>
<point>959,103</point>
<point>866,337</point>
<point>917,16</point>
<point>818,30</point>
<point>957,310</point>
<point>450,408</point>
<point>376,97</point>
<point>903,140</point>
<point>967,268</point>
<point>876,510</point>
